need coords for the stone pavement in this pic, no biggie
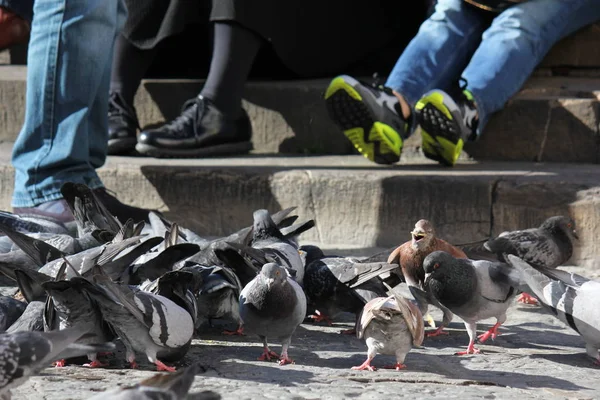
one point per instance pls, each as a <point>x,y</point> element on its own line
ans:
<point>536,357</point>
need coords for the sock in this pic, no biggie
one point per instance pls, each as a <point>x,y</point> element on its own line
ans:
<point>234,51</point>
<point>129,67</point>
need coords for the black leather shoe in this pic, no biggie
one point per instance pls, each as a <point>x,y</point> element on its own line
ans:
<point>200,131</point>
<point>122,126</point>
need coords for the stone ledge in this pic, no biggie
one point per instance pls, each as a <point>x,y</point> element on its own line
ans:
<point>355,203</point>
<point>550,119</point>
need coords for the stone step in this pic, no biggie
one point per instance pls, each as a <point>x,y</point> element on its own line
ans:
<point>550,119</point>
<point>357,204</point>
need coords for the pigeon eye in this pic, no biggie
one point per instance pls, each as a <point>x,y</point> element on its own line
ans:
<point>277,273</point>
<point>436,265</point>
<point>569,225</point>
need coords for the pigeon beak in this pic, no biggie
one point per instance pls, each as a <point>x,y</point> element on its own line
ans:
<point>270,282</point>
<point>427,275</point>
<point>418,235</point>
<point>575,235</point>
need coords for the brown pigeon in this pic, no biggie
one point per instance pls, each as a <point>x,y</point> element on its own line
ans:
<point>410,256</point>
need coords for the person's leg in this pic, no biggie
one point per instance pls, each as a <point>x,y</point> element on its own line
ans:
<point>374,119</point>
<point>67,81</point>
<point>516,43</point>
<point>214,122</point>
<point>439,51</point>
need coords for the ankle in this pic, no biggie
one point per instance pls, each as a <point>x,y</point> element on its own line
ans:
<point>404,106</point>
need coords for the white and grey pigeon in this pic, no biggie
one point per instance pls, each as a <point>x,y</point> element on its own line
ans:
<point>273,305</point>
<point>473,290</point>
<point>25,353</point>
<point>390,325</point>
<point>572,298</point>
<point>145,322</point>
<point>174,386</point>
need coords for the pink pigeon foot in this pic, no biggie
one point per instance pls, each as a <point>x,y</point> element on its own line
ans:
<point>470,350</point>
<point>239,332</point>
<point>492,332</point>
<point>133,364</point>
<point>96,364</point>
<point>60,363</point>
<point>162,367</point>
<point>439,331</point>
<point>527,299</point>
<point>286,360</point>
<point>366,365</point>
<point>397,366</point>
<point>268,355</point>
<point>318,317</point>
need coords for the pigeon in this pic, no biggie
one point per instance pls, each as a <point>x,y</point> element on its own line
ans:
<point>267,237</point>
<point>548,246</point>
<point>173,386</point>
<point>273,305</point>
<point>410,256</point>
<point>145,322</point>
<point>572,298</point>
<point>25,353</point>
<point>67,307</point>
<point>390,325</point>
<point>470,289</point>
<point>10,310</point>
<point>338,284</point>
<point>32,318</point>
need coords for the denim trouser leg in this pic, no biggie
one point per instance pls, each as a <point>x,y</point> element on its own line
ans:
<point>69,61</point>
<point>515,43</point>
<point>439,51</point>
<point>23,8</point>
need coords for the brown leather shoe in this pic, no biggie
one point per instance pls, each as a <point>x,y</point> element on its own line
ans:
<point>13,29</point>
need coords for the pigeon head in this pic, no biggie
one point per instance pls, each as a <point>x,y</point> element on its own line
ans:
<point>264,227</point>
<point>449,279</point>
<point>273,274</point>
<point>422,234</point>
<point>561,224</point>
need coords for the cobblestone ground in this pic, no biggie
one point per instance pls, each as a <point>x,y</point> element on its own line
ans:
<point>536,356</point>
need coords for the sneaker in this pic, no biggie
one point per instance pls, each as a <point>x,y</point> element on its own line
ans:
<point>370,116</point>
<point>200,131</point>
<point>446,123</point>
<point>122,126</point>
<point>13,29</point>
<point>58,211</point>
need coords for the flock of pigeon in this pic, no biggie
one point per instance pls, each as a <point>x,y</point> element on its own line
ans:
<point>152,285</point>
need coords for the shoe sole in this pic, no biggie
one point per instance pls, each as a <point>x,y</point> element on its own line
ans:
<point>227,149</point>
<point>438,144</point>
<point>121,146</point>
<point>376,141</point>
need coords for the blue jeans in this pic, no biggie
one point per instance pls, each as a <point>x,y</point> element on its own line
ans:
<point>65,133</point>
<point>495,57</point>
<point>23,8</point>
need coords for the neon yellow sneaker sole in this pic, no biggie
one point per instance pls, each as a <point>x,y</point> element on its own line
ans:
<point>353,113</point>
<point>441,140</point>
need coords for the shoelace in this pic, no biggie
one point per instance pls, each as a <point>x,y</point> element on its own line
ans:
<point>191,113</point>
<point>117,110</point>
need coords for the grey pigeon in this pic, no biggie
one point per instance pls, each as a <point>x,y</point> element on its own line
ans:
<point>267,237</point>
<point>273,305</point>
<point>572,298</point>
<point>338,284</point>
<point>174,386</point>
<point>67,307</point>
<point>469,289</point>
<point>10,310</point>
<point>145,322</point>
<point>390,325</point>
<point>32,318</point>
<point>25,353</point>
